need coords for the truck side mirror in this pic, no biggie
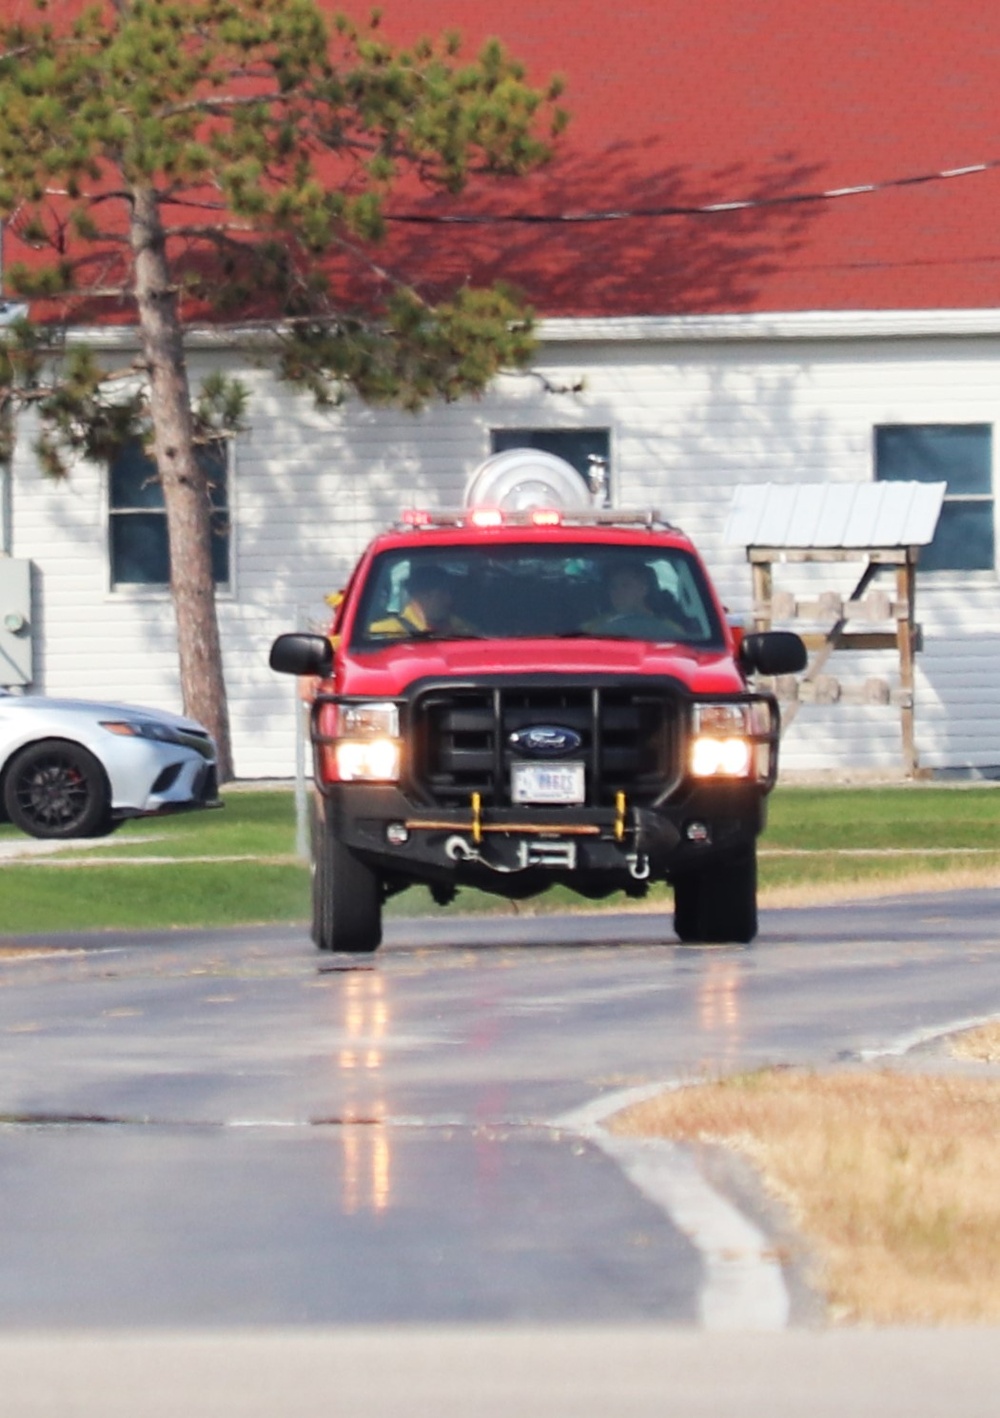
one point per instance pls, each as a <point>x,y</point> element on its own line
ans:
<point>773,652</point>
<point>301,654</point>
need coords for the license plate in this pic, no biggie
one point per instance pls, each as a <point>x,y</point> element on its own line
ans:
<point>547,783</point>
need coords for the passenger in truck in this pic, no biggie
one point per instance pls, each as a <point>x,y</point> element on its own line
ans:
<point>637,608</point>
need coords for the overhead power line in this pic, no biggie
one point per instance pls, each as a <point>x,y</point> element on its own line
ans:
<point>708,209</point>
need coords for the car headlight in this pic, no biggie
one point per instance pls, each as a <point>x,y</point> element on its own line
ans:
<point>730,740</point>
<point>367,747</point>
<point>141,729</point>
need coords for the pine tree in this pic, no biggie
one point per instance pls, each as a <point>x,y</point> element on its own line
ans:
<point>183,163</point>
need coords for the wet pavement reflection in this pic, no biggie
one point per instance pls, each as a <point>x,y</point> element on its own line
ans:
<point>365,1021</point>
<point>719,1014</point>
<point>228,1127</point>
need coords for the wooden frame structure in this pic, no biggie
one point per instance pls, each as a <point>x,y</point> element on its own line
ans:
<point>885,523</point>
<point>865,607</point>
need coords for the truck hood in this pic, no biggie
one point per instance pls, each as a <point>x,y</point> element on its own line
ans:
<point>386,673</point>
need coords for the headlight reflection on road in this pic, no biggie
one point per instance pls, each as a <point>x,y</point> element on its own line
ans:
<point>366,1019</point>
<point>367,1158</point>
<point>367,1154</point>
<point>719,1012</point>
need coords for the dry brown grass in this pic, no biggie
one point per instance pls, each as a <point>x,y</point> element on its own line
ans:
<point>812,893</point>
<point>892,1177</point>
<point>982,1044</point>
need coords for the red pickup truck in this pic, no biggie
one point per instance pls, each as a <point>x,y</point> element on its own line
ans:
<point>513,697</point>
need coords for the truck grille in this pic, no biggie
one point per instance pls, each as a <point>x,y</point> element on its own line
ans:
<point>460,738</point>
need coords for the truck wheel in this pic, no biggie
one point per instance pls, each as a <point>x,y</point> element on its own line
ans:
<point>346,897</point>
<point>718,903</point>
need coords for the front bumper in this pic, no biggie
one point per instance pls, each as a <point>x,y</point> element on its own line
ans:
<point>493,847</point>
<point>154,779</point>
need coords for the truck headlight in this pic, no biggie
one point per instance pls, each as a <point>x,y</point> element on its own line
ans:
<point>367,747</point>
<point>722,744</point>
<point>368,721</point>
<point>368,760</point>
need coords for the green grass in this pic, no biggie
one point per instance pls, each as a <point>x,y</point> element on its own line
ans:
<point>272,885</point>
<point>44,899</point>
<point>919,835</point>
<point>252,823</point>
<point>901,817</point>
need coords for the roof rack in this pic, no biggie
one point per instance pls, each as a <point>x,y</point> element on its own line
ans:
<point>484,518</point>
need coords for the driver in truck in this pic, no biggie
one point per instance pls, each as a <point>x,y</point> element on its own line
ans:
<point>428,610</point>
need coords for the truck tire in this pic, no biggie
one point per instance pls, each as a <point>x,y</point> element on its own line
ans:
<point>346,896</point>
<point>718,903</point>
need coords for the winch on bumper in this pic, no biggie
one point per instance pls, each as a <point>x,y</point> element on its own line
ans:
<point>511,851</point>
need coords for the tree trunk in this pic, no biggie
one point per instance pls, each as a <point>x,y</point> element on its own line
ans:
<point>185,487</point>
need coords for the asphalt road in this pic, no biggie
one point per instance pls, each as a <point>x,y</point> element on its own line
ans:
<point>228,1143</point>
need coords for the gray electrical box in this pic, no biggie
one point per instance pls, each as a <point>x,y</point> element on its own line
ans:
<point>16,629</point>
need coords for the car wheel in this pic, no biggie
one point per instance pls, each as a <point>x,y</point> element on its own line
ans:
<point>58,789</point>
<point>718,903</point>
<point>346,896</point>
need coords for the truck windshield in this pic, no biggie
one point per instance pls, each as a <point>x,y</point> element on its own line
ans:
<point>529,591</point>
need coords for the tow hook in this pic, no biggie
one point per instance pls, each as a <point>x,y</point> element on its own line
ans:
<point>457,849</point>
<point>638,865</point>
<point>556,855</point>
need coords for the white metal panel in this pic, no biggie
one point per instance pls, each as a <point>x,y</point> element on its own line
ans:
<point>805,515</point>
<point>16,629</point>
<point>825,516</point>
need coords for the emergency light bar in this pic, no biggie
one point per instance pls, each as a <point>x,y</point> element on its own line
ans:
<point>484,518</point>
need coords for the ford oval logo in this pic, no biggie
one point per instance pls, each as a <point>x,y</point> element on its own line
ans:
<point>546,740</point>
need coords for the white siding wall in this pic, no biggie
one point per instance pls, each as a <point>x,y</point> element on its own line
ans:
<point>688,420</point>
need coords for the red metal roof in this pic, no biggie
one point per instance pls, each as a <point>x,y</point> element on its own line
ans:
<point>680,104</point>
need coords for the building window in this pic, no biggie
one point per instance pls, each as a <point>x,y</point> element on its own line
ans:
<point>578,446</point>
<point>140,548</point>
<point>960,455</point>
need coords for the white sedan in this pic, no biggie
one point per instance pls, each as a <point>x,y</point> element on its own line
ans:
<point>77,768</point>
